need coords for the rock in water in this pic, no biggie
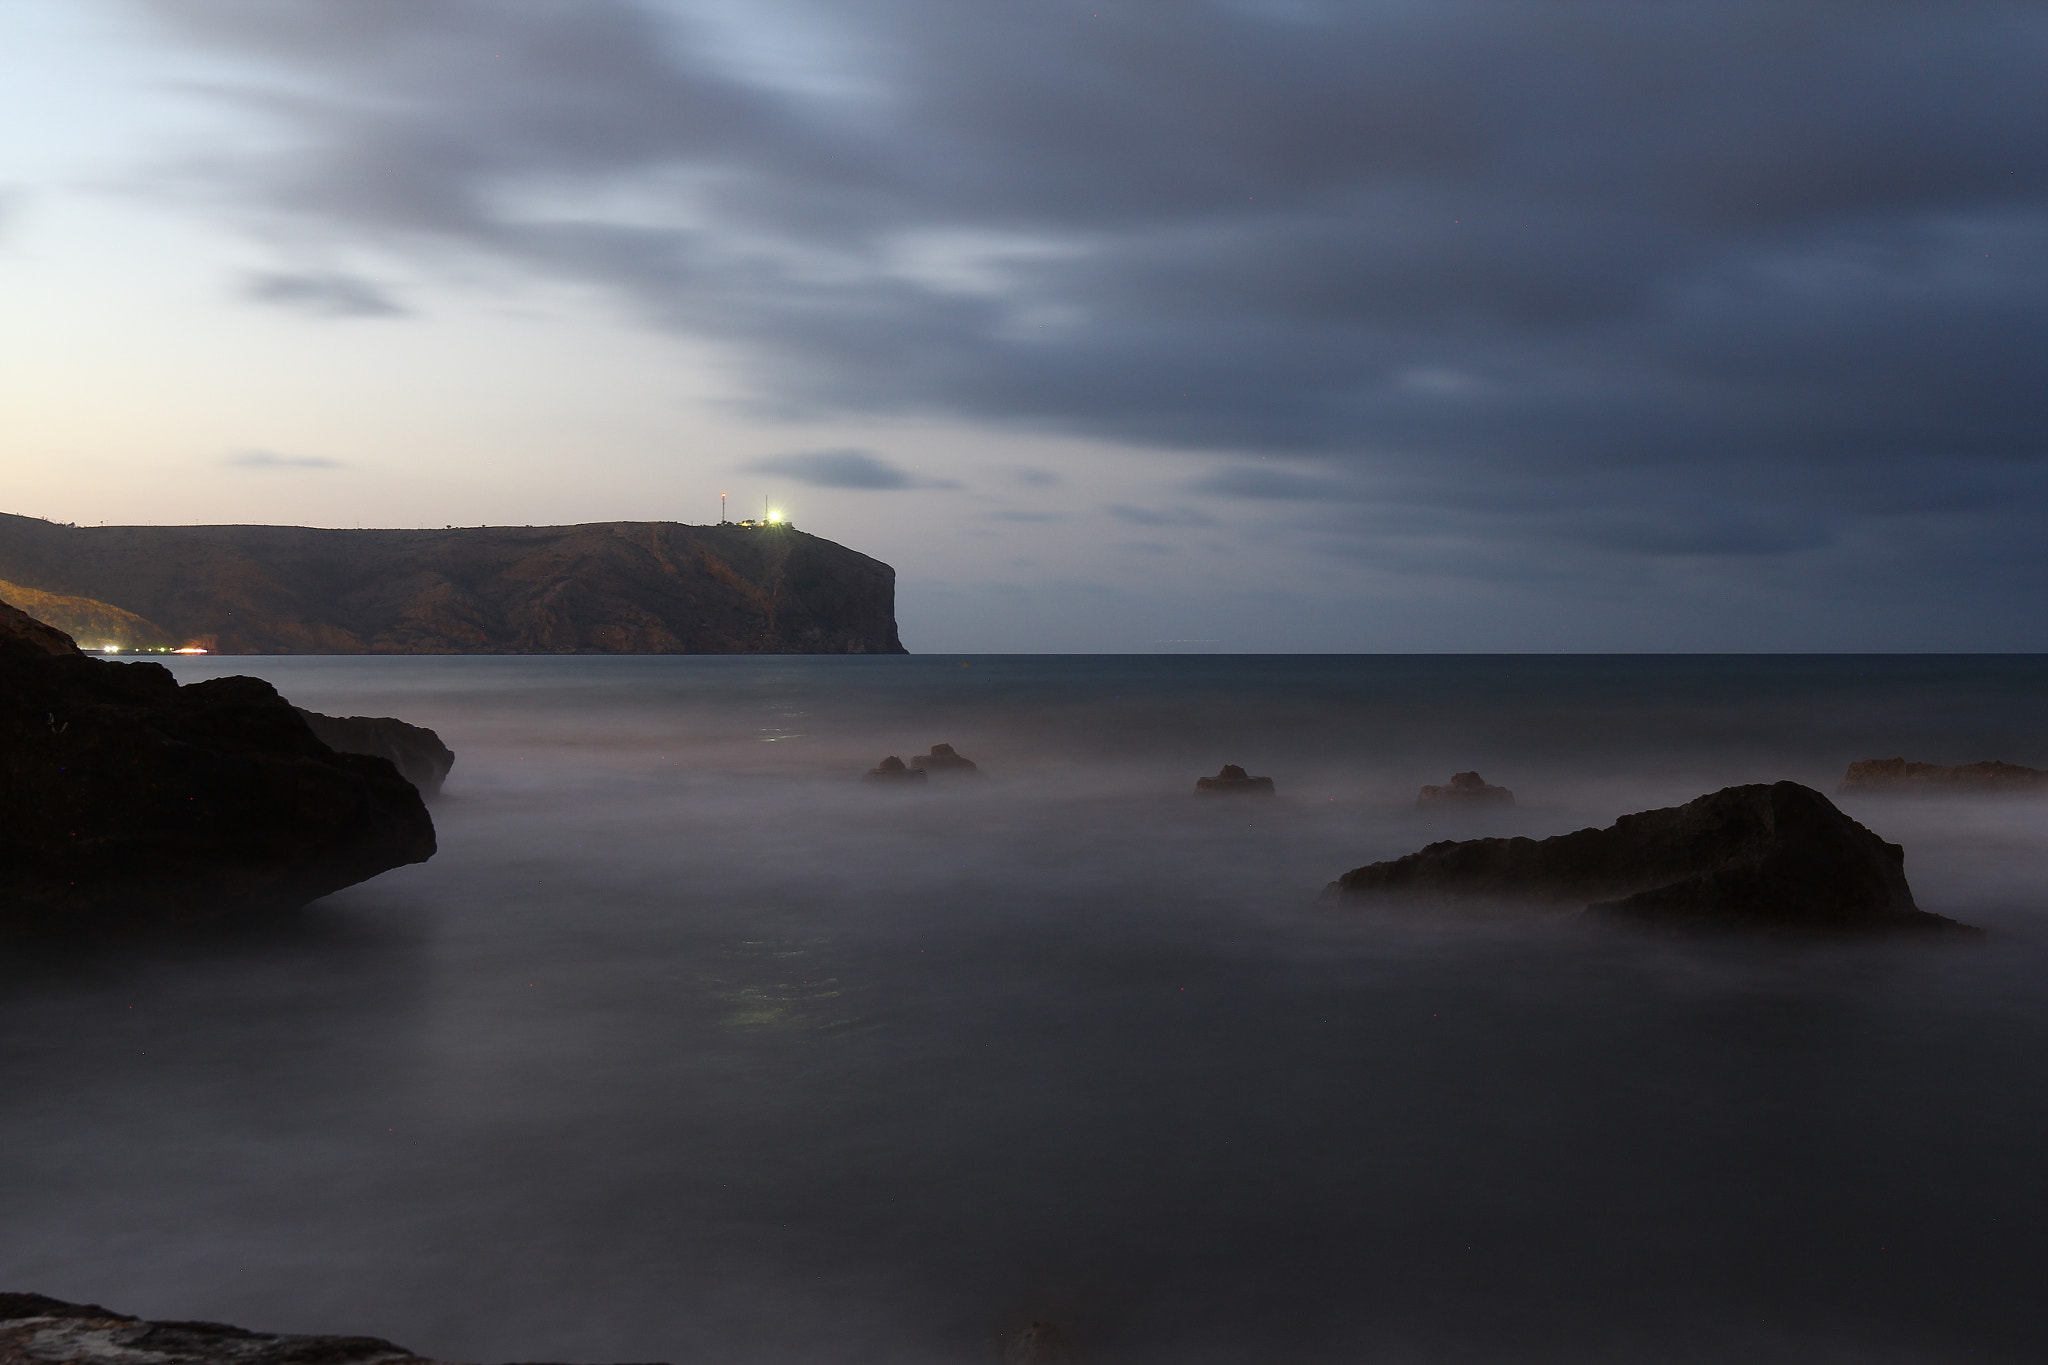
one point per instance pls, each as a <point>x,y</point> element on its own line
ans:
<point>129,801</point>
<point>1041,1343</point>
<point>943,762</point>
<point>1232,780</point>
<point>417,752</point>
<point>1897,775</point>
<point>1774,856</point>
<point>1465,789</point>
<point>893,769</point>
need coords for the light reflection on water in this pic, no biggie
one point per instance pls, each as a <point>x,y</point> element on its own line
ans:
<point>689,1046</point>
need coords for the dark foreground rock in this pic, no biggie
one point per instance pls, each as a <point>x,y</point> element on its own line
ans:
<point>1775,856</point>
<point>128,801</point>
<point>942,761</point>
<point>893,770</point>
<point>1897,775</point>
<point>1233,781</point>
<point>35,1330</point>
<point>417,752</point>
<point>1465,789</point>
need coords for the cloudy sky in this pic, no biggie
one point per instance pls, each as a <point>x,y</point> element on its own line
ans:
<point>1131,325</point>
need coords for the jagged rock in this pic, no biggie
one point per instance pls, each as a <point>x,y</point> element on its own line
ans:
<point>943,762</point>
<point>129,801</point>
<point>1897,775</point>
<point>893,769</point>
<point>417,752</point>
<point>1465,789</point>
<point>37,1330</point>
<point>1233,781</point>
<point>1775,856</point>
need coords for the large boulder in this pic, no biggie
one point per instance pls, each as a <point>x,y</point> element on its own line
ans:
<point>129,801</point>
<point>1774,856</point>
<point>1897,775</point>
<point>417,752</point>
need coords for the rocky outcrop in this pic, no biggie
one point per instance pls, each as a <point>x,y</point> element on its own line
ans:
<point>1465,789</point>
<point>1897,775</point>
<point>128,801</point>
<point>417,752</point>
<point>37,1330</point>
<point>605,588</point>
<point>893,770</point>
<point>943,762</point>
<point>1773,856</point>
<point>1233,781</point>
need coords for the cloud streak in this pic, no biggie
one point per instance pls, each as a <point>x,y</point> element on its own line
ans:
<point>267,459</point>
<point>860,469</point>
<point>325,293</point>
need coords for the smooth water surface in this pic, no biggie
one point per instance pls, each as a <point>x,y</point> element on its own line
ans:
<point>688,1046</point>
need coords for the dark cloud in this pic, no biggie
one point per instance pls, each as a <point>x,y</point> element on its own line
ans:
<point>846,469</point>
<point>1153,516</point>
<point>1714,271</point>
<point>324,292</point>
<point>266,459</point>
<point>1014,515</point>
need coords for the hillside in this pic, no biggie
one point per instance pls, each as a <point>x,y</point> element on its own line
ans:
<point>602,588</point>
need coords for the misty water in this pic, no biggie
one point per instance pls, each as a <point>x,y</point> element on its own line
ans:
<point>689,1046</point>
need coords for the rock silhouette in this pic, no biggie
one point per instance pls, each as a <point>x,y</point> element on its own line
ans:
<point>417,752</point>
<point>892,770</point>
<point>128,801</point>
<point>1465,789</point>
<point>1233,781</point>
<point>942,761</point>
<point>1774,856</point>
<point>1897,775</point>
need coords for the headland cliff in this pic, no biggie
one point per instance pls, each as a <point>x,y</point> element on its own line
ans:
<point>640,587</point>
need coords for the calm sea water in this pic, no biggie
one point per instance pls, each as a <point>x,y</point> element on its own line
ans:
<point>690,1047</point>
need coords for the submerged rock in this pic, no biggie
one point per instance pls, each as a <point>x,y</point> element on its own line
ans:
<point>1040,1343</point>
<point>892,769</point>
<point>1233,780</point>
<point>942,761</point>
<point>417,752</point>
<point>37,1329</point>
<point>129,801</point>
<point>1897,775</point>
<point>1465,789</point>
<point>1774,856</point>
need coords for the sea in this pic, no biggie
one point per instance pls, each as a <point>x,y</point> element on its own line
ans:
<point>691,1046</point>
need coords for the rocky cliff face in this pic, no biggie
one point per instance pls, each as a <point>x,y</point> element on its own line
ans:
<point>604,588</point>
<point>127,801</point>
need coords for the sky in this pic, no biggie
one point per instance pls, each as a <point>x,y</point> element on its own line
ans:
<point>1153,326</point>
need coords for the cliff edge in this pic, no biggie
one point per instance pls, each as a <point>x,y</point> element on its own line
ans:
<point>652,587</point>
